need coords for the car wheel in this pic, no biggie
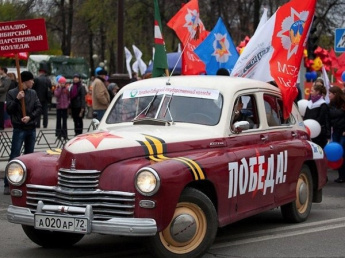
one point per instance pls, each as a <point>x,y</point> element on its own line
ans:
<point>51,239</point>
<point>299,210</point>
<point>192,229</point>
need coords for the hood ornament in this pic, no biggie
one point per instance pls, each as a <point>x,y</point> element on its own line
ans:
<point>73,164</point>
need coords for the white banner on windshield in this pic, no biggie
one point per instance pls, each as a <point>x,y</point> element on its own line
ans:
<point>177,91</point>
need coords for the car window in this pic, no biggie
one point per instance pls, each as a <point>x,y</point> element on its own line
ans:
<point>245,109</point>
<point>274,111</point>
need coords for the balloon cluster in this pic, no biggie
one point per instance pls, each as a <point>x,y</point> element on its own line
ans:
<point>322,59</point>
<point>242,45</point>
<point>334,153</point>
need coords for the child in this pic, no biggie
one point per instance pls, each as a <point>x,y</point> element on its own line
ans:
<point>62,102</point>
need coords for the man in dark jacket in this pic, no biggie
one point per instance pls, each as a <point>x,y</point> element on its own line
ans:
<point>24,125</point>
<point>43,87</point>
<point>77,97</point>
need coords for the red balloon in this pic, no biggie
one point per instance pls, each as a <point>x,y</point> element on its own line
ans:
<point>335,164</point>
<point>318,50</point>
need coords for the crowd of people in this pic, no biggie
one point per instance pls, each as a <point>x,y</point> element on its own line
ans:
<point>330,116</point>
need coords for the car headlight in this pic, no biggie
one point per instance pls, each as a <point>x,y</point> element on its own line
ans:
<point>147,181</point>
<point>16,172</point>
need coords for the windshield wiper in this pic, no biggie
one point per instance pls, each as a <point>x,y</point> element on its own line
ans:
<point>147,108</point>
<point>168,109</point>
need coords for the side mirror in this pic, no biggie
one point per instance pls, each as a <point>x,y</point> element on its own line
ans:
<point>241,126</point>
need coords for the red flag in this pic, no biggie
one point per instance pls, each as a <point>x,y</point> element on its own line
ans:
<point>290,33</point>
<point>191,31</point>
<point>334,59</point>
<point>341,60</point>
<point>338,75</point>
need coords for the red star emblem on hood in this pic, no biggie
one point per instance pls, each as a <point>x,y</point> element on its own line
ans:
<point>94,138</point>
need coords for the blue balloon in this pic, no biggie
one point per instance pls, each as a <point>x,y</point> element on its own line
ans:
<point>334,151</point>
<point>308,76</point>
<point>97,70</point>
<point>58,77</point>
<point>343,76</point>
<point>313,75</point>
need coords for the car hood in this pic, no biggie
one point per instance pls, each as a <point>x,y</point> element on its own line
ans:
<point>134,136</point>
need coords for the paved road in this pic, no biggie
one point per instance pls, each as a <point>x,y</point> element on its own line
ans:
<point>265,235</point>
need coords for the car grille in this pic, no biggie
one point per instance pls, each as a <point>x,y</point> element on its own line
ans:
<point>79,188</point>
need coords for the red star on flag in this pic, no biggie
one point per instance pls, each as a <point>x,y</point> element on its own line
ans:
<point>94,138</point>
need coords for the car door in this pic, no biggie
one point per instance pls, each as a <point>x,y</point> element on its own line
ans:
<point>287,147</point>
<point>247,174</point>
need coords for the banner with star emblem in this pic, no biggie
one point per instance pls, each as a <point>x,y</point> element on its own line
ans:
<point>279,44</point>
<point>218,50</point>
<point>191,31</point>
<point>291,29</point>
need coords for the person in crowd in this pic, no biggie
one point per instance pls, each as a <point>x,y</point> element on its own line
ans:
<point>24,125</point>
<point>5,83</point>
<point>14,82</point>
<point>337,118</point>
<point>317,109</point>
<point>43,88</point>
<point>100,94</point>
<point>135,77</point>
<point>77,105</point>
<point>62,103</point>
<point>223,71</point>
<point>113,88</point>
<point>88,99</point>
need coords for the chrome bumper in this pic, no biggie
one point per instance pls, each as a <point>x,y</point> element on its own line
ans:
<point>115,226</point>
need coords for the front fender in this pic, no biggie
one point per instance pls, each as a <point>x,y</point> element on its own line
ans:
<point>174,177</point>
<point>41,170</point>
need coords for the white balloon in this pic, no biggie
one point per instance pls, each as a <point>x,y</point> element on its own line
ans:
<point>302,106</point>
<point>314,127</point>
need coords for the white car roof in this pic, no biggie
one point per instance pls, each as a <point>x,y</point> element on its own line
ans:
<point>225,84</point>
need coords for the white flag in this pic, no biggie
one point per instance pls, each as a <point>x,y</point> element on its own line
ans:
<point>139,64</point>
<point>263,19</point>
<point>254,60</point>
<point>326,83</point>
<point>128,62</point>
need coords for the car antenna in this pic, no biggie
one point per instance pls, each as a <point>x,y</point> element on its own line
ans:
<point>168,82</point>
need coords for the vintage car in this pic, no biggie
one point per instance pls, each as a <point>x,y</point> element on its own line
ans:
<point>173,159</point>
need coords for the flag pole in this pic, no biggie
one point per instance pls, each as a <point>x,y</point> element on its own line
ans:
<point>20,86</point>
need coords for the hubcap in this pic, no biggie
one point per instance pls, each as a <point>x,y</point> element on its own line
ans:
<point>303,193</point>
<point>183,228</point>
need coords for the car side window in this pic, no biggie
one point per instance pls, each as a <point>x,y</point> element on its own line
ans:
<point>245,109</point>
<point>274,111</point>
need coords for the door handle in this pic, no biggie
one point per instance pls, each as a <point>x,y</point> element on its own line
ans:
<point>264,138</point>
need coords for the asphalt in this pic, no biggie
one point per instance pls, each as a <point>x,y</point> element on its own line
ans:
<point>50,135</point>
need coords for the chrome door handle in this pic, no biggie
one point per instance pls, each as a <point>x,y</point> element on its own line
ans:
<point>264,138</point>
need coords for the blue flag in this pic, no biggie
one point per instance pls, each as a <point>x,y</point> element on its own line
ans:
<point>217,50</point>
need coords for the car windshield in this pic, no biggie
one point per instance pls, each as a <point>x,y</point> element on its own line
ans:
<point>187,108</point>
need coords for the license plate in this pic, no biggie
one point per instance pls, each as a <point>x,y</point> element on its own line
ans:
<point>61,223</point>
